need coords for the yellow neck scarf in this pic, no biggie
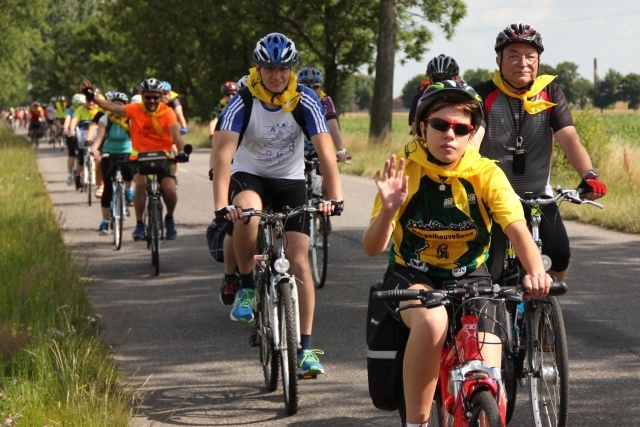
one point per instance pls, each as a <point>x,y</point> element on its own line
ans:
<point>322,94</point>
<point>224,101</point>
<point>124,123</point>
<point>287,99</point>
<point>160,111</point>
<point>469,165</point>
<point>531,107</point>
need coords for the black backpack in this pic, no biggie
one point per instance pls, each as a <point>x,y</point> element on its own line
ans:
<point>386,341</point>
<point>247,100</point>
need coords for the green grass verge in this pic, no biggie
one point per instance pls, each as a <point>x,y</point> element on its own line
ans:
<point>54,368</point>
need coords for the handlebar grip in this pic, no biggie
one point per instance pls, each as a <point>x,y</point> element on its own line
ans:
<point>558,288</point>
<point>396,295</point>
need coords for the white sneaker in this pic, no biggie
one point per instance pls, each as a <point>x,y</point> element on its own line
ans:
<point>70,179</point>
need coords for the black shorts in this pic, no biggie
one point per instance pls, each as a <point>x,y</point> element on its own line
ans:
<point>401,277</point>
<point>279,192</point>
<point>72,146</point>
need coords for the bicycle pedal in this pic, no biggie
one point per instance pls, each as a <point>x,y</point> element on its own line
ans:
<point>307,377</point>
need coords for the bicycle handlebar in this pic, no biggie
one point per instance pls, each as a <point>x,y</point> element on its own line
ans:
<point>571,195</point>
<point>437,296</point>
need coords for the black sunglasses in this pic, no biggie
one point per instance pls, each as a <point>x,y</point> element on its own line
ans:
<point>442,125</point>
<point>314,86</point>
<point>151,98</point>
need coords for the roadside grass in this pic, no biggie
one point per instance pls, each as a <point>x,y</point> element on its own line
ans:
<point>611,140</point>
<point>54,368</point>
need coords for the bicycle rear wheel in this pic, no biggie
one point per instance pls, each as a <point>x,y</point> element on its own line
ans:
<point>153,231</point>
<point>118,216</point>
<point>288,348</point>
<point>485,411</point>
<point>319,249</point>
<point>549,361</point>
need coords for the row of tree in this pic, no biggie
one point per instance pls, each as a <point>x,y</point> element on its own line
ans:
<point>49,46</point>
<point>580,92</point>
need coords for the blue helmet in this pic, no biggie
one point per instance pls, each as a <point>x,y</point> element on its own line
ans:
<point>275,50</point>
<point>166,86</point>
<point>309,76</point>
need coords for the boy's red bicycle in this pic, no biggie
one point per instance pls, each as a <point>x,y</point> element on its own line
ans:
<point>469,393</point>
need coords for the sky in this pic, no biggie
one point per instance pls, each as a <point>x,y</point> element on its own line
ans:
<point>572,30</point>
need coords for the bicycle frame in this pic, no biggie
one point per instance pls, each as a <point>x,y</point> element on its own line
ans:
<point>462,373</point>
<point>463,379</point>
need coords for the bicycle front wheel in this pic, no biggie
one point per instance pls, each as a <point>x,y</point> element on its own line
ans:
<point>549,362</point>
<point>154,233</point>
<point>288,348</point>
<point>89,177</point>
<point>485,411</point>
<point>319,249</point>
<point>268,357</point>
<point>118,216</point>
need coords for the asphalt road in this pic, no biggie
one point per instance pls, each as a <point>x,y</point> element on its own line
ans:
<point>192,366</point>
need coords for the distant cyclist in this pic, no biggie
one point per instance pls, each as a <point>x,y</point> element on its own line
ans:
<point>113,144</point>
<point>442,67</point>
<point>312,78</point>
<point>153,127</point>
<point>228,91</point>
<point>72,141</point>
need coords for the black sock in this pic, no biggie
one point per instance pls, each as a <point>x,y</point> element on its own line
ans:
<point>139,223</point>
<point>305,342</point>
<point>166,217</point>
<point>246,281</point>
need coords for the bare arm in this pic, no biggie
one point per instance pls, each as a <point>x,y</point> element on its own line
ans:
<point>328,167</point>
<point>111,106</point>
<point>180,116</point>
<point>223,152</point>
<point>177,138</point>
<point>102,129</point>
<point>577,155</point>
<point>537,281</point>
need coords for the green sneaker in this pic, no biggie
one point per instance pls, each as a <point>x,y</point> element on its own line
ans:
<point>244,305</point>
<point>308,363</point>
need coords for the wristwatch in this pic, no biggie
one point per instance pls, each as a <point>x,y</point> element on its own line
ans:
<point>590,173</point>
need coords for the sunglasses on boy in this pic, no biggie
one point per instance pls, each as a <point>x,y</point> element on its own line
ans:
<point>442,125</point>
<point>314,86</point>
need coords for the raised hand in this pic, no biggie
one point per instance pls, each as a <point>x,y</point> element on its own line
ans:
<point>393,185</point>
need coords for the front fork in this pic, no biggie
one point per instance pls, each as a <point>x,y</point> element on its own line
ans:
<point>272,301</point>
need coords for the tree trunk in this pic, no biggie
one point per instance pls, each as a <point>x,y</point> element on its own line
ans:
<point>380,127</point>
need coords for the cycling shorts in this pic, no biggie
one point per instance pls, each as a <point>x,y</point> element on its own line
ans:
<point>281,193</point>
<point>400,277</point>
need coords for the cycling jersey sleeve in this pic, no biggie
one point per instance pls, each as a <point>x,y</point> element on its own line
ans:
<point>312,112</point>
<point>560,114</point>
<point>232,117</point>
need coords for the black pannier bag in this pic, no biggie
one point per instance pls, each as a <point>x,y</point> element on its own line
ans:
<point>386,341</point>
